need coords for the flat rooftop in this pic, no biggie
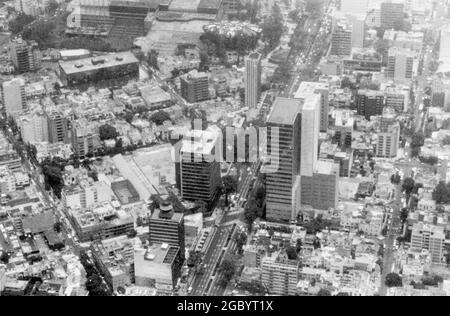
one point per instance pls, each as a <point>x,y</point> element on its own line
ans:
<point>306,88</point>
<point>284,111</point>
<point>99,62</point>
<point>327,167</point>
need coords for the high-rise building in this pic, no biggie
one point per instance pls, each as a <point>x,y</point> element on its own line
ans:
<point>341,40</point>
<point>13,95</point>
<point>85,139</point>
<point>57,128</point>
<point>388,137</point>
<point>444,50</point>
<point>369,103</point>
<point>308,88</point>
<point>200,165</point>
<point>25,55</point>
<point>392,14</point>
<point>428,237</point>
<point>358,30</point>
<point>279,274</point>
<point>283,151</point>
<point>252,80</point>
<point>293,136</point>
<point>400,64</point>
<point>33,128</point>
<point>194,87</point>
<point>354,6</point>
<point>320,191</point>
<point>166,226</point>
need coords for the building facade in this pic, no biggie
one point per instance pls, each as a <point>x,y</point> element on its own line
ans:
<point>252,80</point>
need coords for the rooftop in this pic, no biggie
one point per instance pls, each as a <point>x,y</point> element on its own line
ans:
<point>307,88</point>
<point>99,62</point>
<point>284,111</point>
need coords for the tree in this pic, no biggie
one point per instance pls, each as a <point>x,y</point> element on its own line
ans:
<point>228,269</point>
<point>431,160</point>
<point>323,292</point>
<point>299,245</point>
<point>108,132</point>
<point>396,179</point>
<point>393,280</point>
<point>160,117</point>
<point>291,253</point>
<point>441,193</point>
<point>408,186</point>
<point>241,240</point>
<point>58,227</point>
<point>52,7</point>
<point>17,25</point>
<point>272,27</point>
<point>404,215</point>
<point>4,257</point>
<point>229,185</point>
<point>251,212</point>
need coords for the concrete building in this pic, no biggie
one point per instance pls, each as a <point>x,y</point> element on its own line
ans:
<point>158,266</point>
<point>341,39</point>
<point>7,180</point>
<point>400,64</point>
<point>428,237</point>
<point>13,96</point>
<point>86,194</point>
<point>293,136</point>
<point>199,164</point>
<point>252,80</point>
<point>369,103</point>
<point>320,191</point>
<point>58,131</point>
<point>33,128</point>
<point>412,41</point>
<point>122,65</point>
<point>114,258</point>
<point>85,138</point>
<point>354,6</point>
<point>284,131</point>
<point>280,275</point>
<point>25,56</point>
<point>388,138</point>
<point>166,226</point>
<point>100,222</point>
<point>444,50</point>
<point>392,13</point>
<point>308,88</point>
<point>194,86</point>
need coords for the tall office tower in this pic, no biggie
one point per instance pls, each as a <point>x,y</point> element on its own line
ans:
<point>252,80</point>
<point>57,128</point>
<point>25,56</point>
<point>341,40</point>
<point>310,134</point>
<point>444,51</point>
<point>13,94</point>
<point>200,165</point>
<point>392,14</point>
<point>388,137</point>
<point>33,128</point>
<point>428,237</point>
<point>354,6</point>
<point>279,274</point>
<point>358,30</point>
<point>166,226</point>
<point>283,150</point>
<point>308,88</point>
<point>369,103</point>
<point>400,64</point>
